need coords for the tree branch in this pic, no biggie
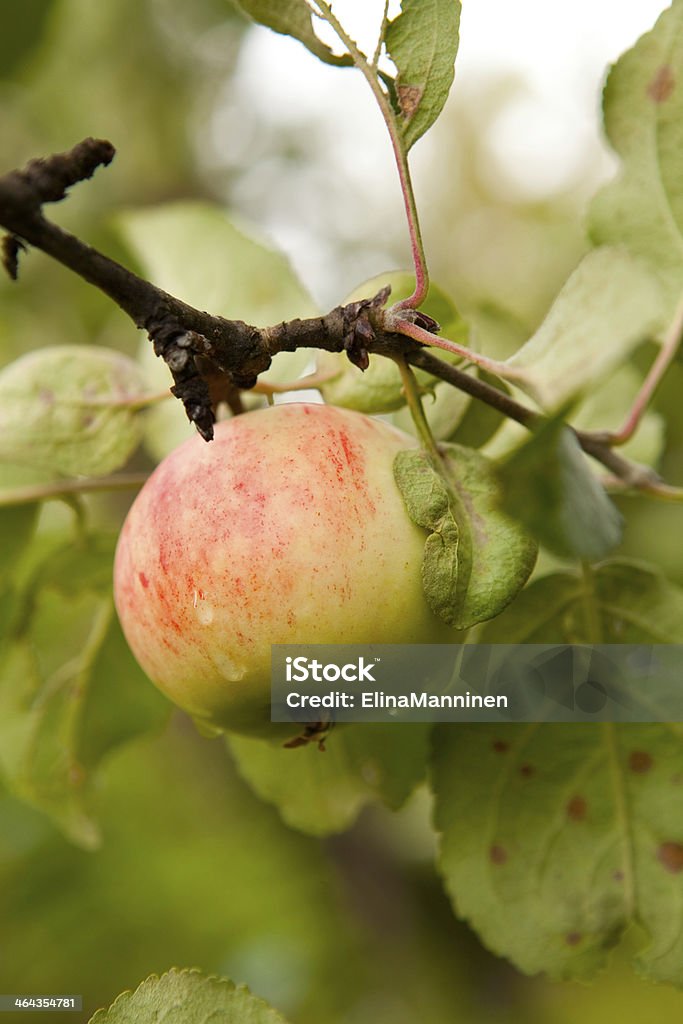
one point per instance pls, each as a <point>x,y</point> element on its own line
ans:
<point>211,358</point>
<point>199,348</point>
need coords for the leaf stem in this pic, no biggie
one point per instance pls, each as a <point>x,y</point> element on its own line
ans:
<point>404,326</point>
<point>592,618</point>
<point>380,38</point>
<point>665,356</point>
<point>369,72</point>
<point>63,489</point>
<point>411,390</point>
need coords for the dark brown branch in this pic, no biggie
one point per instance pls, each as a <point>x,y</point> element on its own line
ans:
<point>197,346</point>
<point>596,444</point>
<point>499,400</point>
<point>209,357</point>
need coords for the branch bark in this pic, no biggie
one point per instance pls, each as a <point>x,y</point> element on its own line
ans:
<point>198,347</point>
<point>211,358</point>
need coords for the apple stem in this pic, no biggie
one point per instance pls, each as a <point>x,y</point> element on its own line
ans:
<point>411,389</point>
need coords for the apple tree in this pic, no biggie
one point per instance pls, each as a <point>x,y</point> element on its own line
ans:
<point>521,486</point>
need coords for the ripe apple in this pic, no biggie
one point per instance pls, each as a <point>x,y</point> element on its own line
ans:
<point>287,528</point>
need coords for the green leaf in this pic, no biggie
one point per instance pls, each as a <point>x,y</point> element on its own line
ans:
<point>423,42</point>
<point>548,485</point>
<point>229,274</point>
<point>322,792</point>
<point>71,409</point>
<point>501,555</point>
<point>72,569</point>
<point>188,997</point>
<point>193,250</point>
<point>61,663</point>
<point>428,504</point>
<point>556,837</point>
<point>379,389</point>
<point>633,603</point>
<point>642,207</point>
<point>476,559</point>
<point>562,837</point>
<point>608,306</point>
<point>292,18</point>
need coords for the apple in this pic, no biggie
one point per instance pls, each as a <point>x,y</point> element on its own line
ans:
<point>287,528</point>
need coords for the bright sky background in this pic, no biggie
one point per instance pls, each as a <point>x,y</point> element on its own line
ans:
<point>561,49</point>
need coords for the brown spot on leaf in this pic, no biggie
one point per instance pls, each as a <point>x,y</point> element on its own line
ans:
<point>576,808</point>
<point>573,938</point>
<point>527,770</point>
<point>640,761</point>
<point>662,85</point>
<point>409,97</point>
<point>618,875</point>
<point>500,746</point>
<point>498,854</point>
<point>670,856</point>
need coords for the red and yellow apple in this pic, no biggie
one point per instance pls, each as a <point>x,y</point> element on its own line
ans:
<point>287,528</point>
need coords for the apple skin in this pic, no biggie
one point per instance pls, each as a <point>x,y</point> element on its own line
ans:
<point>287,528</point>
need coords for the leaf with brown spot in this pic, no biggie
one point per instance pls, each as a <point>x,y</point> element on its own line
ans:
<point>576,809</point>
<point>640,761</point>
<point>409,97</point>
<point>422,42</point>
<point>529,867</point>
<point>662,85</point>
<point>593,839</point>
<point>670,856</point>
<point>642,208</point>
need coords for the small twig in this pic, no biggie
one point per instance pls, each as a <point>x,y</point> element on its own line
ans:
<point>412,330</point>
<point>497,399</point>
<point>661,490</point>
<point>310,382</point>
<point>63,489</point>
<point>665,356</point>
<point>652,488</point>
<point>630,474</point>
